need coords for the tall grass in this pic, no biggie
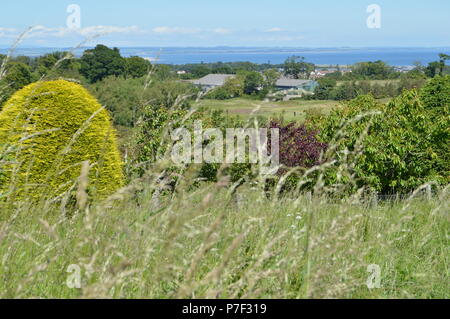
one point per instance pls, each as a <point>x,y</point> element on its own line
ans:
<point>210,244</point>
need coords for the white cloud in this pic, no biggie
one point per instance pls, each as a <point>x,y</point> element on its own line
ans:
<point>41,31</point>
<point>222,31</point>
<point>8,32</point>
<point>100,29</point>
<point>275,30</point>
<point>175,30</point>
<point>281,38</point>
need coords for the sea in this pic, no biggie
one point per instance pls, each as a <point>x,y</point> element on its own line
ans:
<point>319,56</point>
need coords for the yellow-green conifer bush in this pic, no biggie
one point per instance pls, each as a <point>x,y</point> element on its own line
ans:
<point>52,128</point>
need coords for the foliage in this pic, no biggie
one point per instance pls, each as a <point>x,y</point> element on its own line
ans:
<point>297,68</point>
<point>253,82</point>
<point>101,62</point>
<point>432,69</point>
<point>154,133</point>
<point>271,77</point>
<point>17,76</point>
<point>233,87</point>
<point>324,90</point>
<point>329,89</point>
<point>244,83</point>
<point>377,70</point>
<point>136,67</point>
<point>123,98</point>
<point>436,94</point>
<point>299,145</point>
<point>126,98</point>
<point>153,140</point>
<point>395,150</point>
<point>55,126</point>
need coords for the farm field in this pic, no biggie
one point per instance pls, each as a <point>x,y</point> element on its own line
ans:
<point>294,110</point>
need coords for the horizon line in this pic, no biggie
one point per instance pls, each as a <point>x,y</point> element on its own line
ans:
<point>237,47</point>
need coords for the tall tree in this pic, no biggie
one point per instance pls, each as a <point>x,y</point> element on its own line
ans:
<point>442,58</point>
<point>17,76</point>
<point>253,82</point>
<point>101,62</point>
<point>136,67</point>
<point>297,68</point>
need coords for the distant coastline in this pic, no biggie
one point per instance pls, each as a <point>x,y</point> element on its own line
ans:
<point>260,55</point>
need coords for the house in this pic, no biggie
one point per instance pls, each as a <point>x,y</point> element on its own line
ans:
<point>321,73</point>
<point>286,84</point>
<point>292,88</point>
<point>212,81</point>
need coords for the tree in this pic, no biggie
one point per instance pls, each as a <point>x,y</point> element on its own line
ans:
<point>442,58</point>
<point>325,88</point>
<point>253,82</point>
<point>233,87</point>
<point>377,70</point>
<point>271,77</point>
<point>200,71</point>
<point>431,69</point>
<point>17,76</point>
<point>297,68</point>
<point>58,64</point>
<point>163,72</point>
<point>101,62</point>
<point>136,67</point>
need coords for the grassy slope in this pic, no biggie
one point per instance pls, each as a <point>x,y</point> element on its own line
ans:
<point>290,110</point>
<point>206,244</point>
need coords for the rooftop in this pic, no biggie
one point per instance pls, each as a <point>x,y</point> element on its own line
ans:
<point>213,79</point>
<point>286,82</point>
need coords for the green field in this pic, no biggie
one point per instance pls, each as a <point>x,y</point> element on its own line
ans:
<point>289,110</point>
<point>209,244</point>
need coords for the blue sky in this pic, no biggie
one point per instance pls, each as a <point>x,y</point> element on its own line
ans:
<point>293,23</point>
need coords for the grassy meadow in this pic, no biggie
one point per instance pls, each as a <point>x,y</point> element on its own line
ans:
<point>212,244</point>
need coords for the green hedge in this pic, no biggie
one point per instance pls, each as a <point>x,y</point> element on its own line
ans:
<point>52,127</point>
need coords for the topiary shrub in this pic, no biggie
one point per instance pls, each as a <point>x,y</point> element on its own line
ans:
<point>53,127</point>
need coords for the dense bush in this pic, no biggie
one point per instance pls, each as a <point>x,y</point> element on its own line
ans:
<point>154,138</point>
<point>126,98</point>
<point>53,127</point>
<point>121,97</point>
<point>436,94</point>
<point>299,146</point>
<point>401,146</point>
